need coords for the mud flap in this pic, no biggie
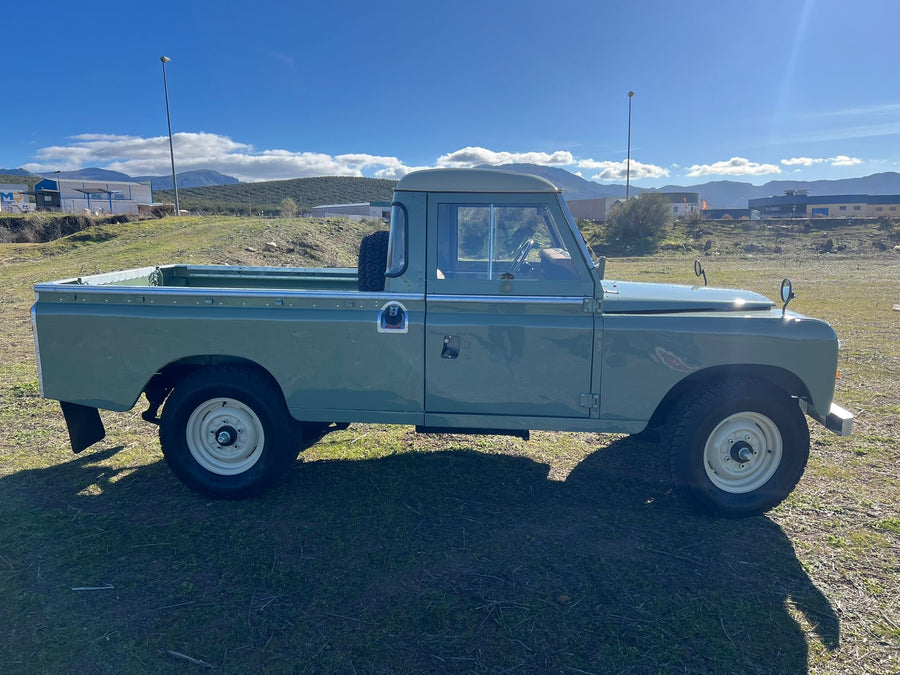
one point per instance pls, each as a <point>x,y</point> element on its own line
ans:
<point>84,424</point>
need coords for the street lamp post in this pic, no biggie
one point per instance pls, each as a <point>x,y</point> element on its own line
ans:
<point>165,60</point>
<point>58,190</point>
<point>628,160</point>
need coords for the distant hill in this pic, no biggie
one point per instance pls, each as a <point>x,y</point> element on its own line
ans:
<point>92,173</point>
<point>574,187</point>
<point>267,196</point>
<point>188,179</point>
<point>185,178</point>
<point>219,192</point>
<point>729,194</point>
<point>19,178</point>
<point>719,194</point>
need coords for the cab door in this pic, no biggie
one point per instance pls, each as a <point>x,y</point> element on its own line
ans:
<point>509,313</point>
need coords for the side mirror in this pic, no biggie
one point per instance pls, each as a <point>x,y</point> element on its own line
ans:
<point>699,271</point>
<point>787,294</point>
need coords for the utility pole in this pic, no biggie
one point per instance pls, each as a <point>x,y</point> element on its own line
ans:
<point>165,60</point>
<point>628,160</point>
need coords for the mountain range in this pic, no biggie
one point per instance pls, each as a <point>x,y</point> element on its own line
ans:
<point>718,194</point>
<point>186,179</point>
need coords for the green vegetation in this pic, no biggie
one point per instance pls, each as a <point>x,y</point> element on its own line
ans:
<point>288,208</point>
<point>30,181</point>
<point>266,198</point>
<point>637,226</point>
<point>384,551</point>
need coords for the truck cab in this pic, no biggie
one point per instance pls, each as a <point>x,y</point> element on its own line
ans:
<point>510,291</point>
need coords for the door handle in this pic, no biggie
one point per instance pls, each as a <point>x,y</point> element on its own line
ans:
<point>451,347</point>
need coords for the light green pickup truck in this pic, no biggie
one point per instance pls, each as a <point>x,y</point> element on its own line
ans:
<point>481,311</point>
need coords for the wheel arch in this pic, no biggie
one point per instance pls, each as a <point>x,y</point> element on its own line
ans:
<point>167,378</point>
<point>780,378</point>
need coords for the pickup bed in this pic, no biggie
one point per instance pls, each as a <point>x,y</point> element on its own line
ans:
<point>480,311</point>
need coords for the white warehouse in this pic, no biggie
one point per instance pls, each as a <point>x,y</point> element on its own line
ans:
<point>353,211</point>
<point>76,196</point>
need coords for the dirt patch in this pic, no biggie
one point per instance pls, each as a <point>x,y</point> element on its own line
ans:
<point>43,227</point>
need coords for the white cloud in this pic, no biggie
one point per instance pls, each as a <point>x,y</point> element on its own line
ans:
<point>138,156</point>
<point>801,161</point>
<point>736,166</point>
<point>474,156</point>
<point>620,170</point>
<point>838,160</point>
<point>843,160</point>
<point>397,172</point>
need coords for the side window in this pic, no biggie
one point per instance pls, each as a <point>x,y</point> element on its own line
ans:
<point>396,262</point>
<point>500,241</point>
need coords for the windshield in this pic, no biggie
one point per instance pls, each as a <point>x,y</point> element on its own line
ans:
<point>580,238</point>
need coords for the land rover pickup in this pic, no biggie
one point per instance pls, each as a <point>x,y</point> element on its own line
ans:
<point>480,310</point>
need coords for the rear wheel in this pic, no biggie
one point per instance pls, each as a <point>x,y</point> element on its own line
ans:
<point>225,432</point>
<point>738,446</point>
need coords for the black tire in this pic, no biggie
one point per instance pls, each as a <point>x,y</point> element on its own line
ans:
<point>738,446</point>
<point>225,432</point>
<point>373,261</point>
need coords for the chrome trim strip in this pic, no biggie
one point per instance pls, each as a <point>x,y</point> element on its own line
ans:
<point>199,291</point>
<point>510,299</point>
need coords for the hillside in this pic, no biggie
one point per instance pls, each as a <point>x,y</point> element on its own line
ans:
<point>266,197</point>
<point>19,179</point>
<point>719,194</point>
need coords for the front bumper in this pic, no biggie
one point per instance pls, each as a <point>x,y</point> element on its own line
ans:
<point>838,420</point>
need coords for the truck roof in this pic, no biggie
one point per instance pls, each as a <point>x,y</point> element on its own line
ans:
<point>473,180</point>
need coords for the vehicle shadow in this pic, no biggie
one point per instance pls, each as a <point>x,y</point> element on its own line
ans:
<point>448,560</point>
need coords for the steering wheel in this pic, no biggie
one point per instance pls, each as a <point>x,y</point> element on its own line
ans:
<point>519,258</point>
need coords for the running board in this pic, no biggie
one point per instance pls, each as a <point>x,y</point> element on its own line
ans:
<point>518,433</point>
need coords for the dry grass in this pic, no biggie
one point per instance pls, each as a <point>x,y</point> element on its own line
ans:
<point>388,551</point>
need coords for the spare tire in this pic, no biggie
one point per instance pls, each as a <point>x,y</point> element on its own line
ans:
<point>373,261</point>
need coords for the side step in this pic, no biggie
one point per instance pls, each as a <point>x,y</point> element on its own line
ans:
<point>524,434</point>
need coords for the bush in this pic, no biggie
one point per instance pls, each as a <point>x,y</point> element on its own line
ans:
<point>289,208</point>
<point>640,223</point>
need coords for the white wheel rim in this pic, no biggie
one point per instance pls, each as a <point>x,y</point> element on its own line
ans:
<point>743,452</point>
<point>225,436</point>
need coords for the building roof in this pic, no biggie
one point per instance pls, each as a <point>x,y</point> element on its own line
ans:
<point>340,206</point>
<point>94,185</point>
<point>473,180</point>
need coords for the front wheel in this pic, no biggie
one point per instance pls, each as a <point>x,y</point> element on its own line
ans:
<point>225,432</point>
<point>738,446</point>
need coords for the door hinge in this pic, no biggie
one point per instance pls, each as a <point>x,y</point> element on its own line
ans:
<point>590,401</point>
<point>591,305</point>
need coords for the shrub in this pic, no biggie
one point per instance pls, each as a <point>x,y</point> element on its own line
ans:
<point>640,223</point>
<point>289,208</point>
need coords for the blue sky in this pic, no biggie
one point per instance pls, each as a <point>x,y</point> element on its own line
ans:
<point>724,90</point>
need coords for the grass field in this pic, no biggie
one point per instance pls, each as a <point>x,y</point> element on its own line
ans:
<point>384,551</point>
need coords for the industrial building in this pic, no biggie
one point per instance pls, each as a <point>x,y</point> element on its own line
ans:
<point>683,204</point>
<point>76,196</point>
<point>14,199</point>
<point>798,204</point>
<point>361,211</point>
<point>591,209</point>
